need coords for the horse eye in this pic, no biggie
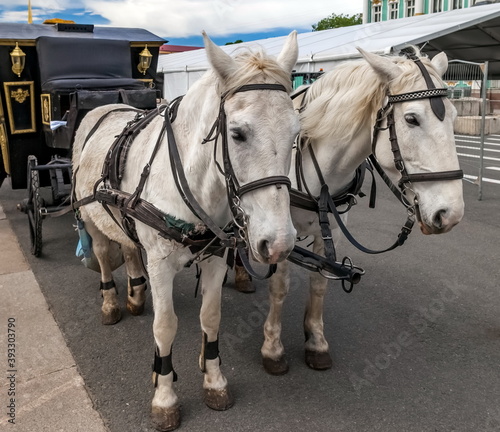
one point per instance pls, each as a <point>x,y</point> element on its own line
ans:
<point>411,119</point>
<point>238,135</point>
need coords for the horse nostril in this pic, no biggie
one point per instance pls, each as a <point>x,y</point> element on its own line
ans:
<point>437,221</point>
<point>263,248</point>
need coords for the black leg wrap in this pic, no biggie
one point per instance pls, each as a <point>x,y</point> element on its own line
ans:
<point>210,350</point>
<point>107,285</point>
<point>136,282</point>
<point>163,366</point>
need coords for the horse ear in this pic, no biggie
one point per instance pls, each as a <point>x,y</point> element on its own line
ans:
<point>221,62</point>
<point>440,63</point>
<point>290,52</point>
<point>385,68</point>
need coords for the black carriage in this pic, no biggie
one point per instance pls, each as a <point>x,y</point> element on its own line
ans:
<point>51,76</point>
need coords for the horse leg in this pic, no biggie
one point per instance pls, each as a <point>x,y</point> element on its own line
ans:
<point>242,280</point>
<point>136,281</point>
<point>216,392</point>
<point>316,346</point>
<point>273,352</point>
<point>110,310</point>
<point>165,410</point>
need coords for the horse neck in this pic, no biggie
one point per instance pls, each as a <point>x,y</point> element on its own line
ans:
<point>337,158</point>
<point>196,115</point>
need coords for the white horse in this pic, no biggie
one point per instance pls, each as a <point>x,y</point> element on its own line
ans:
<point>337,116</point>
<point>261,127</point>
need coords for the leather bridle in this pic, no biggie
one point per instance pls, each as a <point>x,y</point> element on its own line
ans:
<point>435,96</point>
<point>234,190</point>
<point>233,235</point>
<point>325,203</point>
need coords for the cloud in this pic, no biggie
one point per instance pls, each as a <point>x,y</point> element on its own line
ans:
<point>182,18</point>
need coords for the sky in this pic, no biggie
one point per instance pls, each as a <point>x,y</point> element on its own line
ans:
<point>181,21</point>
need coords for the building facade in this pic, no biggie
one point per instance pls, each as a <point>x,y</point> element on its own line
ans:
<point>384,10</point>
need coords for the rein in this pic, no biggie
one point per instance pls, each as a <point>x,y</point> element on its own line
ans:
<point>233,188</point>
<point>325,203</point>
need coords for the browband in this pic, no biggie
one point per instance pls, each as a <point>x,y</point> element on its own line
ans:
<point>422,94</point>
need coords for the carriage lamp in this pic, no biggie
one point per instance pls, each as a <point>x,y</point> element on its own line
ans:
<point>18,58</point>
<point>145,58</point>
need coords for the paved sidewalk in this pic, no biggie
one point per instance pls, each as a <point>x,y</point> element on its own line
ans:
<point>40,386</point>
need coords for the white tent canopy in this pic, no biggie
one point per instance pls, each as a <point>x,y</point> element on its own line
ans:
<point>471,34</point>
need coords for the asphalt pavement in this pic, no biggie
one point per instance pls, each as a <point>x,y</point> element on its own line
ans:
<point>41,388</point>
<point>416,345</point>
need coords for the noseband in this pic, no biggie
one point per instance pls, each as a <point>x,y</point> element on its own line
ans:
<point>435,96</point>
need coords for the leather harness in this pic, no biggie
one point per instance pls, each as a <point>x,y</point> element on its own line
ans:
<point>326,203</point>
<point>206,237</point>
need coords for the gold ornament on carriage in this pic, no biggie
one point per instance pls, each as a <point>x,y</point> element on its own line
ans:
<point>18,58</point>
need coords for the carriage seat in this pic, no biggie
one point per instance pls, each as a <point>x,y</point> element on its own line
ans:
<point>71,64</point>
<point>80,74</point>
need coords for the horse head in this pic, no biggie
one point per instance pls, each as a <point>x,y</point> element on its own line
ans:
<point>260,125</point>
<point>425,137</point>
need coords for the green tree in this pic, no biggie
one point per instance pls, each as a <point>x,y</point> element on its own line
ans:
<point>336,21</point>
<point>235,42</point>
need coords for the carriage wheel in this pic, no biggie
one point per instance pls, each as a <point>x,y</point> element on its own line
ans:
<point>35,203</point>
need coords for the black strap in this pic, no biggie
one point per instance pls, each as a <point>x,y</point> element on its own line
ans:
<point>436,176</point>
<point>163,366</point>
<point>183,187</point>
<point>437,103</point>
<point>242,252</point>
<point>249,87</point>
<point>147,168</point>
<point>268,181</point>
<point>105,286</point>
<point>324,223</point>
<point>136,281</point>
<point>403,235</point>
<point>210,351</point>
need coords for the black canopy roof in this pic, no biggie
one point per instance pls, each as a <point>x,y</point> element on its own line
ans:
<point>30,32</point>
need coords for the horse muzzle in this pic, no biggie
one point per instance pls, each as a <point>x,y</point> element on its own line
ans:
<point>274,249</point>
<point>440,222</point>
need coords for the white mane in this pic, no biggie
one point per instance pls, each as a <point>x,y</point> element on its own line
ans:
<point>341,100</point>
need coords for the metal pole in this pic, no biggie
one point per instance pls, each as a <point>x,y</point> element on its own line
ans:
<point>483,124</point>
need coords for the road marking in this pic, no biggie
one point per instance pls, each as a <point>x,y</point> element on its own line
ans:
<point>478,157</point>
<point>486,143</point>
<point>485,179</point>
<point>477,148</point>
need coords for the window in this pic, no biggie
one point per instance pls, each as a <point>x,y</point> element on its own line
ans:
<point>377,13</point>
<point>393,10</point>
<point>410,8</point>
<point>457,4</point>
<point>436,6</point>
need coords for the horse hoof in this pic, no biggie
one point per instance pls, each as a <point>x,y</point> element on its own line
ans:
<point>135,309</point>
<point>245,287</point>
<point>275,367</point>
<point>219,400</point>
<point>166,419</point>
<point>243,281</point>
<point>111,316</point>
<point>318,360</point>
